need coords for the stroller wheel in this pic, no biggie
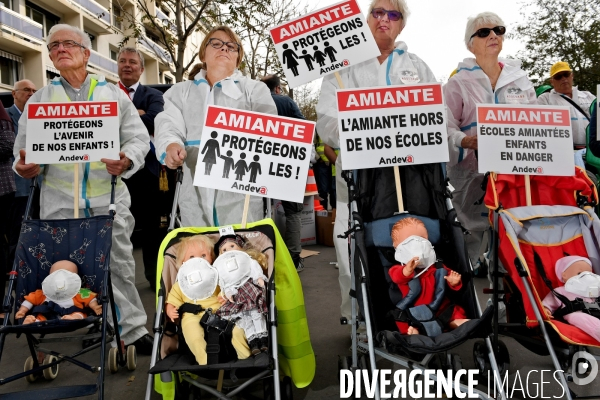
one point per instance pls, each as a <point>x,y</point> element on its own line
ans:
<point>286,389</point>
<point>482,360</point>
<point>131,358</point>
<point>268,388</point>
<point>113,366</point>
<point>52,372</point>
<point>29,365</point>
<point>344,363</point>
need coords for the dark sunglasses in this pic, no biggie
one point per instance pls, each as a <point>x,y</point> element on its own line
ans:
<point>393,15</point>
<point>485,32</point>
<point>560,75</point>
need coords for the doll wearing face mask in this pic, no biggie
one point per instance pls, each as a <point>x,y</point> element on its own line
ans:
<point>61,296</point>
<point>419,280</point>
<point>580,282</point>
<point>244,294</point>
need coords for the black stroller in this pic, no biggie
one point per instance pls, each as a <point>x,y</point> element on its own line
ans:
<point>373,211</point>
<point>87,242</point>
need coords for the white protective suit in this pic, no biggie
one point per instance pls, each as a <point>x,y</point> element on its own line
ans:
<point>57,192</point>
<point>469,87</point>
<point>578,121</point>
<point>366,74</point>
<point>182,121</point>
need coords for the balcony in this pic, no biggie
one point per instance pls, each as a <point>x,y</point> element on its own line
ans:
<point>96,14</point>
<point>155,50</point>
<point>98,61</point>
<point>29,33</point>
<point>166,21</point>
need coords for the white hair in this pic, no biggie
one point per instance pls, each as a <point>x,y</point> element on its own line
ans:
<point>399,5</point>
<point>84,39</point>
<point>483,18</point>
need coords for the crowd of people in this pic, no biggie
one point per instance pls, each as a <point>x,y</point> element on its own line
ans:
<point>159,133</point>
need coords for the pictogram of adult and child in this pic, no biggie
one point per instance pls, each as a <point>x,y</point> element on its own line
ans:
<point>212,151</point>
<point>289,57</point>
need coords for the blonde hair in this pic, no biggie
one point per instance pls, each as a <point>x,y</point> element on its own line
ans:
<point>258,256</point>
<point>199,240</point>
<point>232,35</point>
<point>399,5</point>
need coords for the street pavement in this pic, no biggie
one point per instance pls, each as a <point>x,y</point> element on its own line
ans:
<point>329,339</point>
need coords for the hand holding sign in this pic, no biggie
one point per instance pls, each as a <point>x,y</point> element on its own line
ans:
<point>175,156</point>
<point>27,171</point>
<point>117,167</point>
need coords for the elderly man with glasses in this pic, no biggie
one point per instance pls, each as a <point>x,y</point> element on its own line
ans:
<point>565,94</point>
<point>69,50</point>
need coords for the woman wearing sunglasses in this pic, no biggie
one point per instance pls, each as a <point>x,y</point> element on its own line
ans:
<point>179,127</point>
<point>485,79</point>
<point>395,66</point>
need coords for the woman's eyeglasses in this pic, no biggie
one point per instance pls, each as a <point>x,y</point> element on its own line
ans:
<point>485,32</point>
<point>393,15</point>
<point>218,43</point>
<point>67,44</point>
<point>561,75</point>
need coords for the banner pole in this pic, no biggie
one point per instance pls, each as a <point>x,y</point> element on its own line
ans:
<point>76,191</point>
<point>527,190</point>
<point>398,189</point>
<point>339,79</point>
<point>245,214</point>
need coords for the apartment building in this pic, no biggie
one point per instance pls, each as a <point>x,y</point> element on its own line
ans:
<point>24,25</point>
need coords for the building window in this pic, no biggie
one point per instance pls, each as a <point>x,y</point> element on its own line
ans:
<point>51,75</point>
<point>8,71</point>
<point>41,16</point>
<point>93,40</point>
<point>117,19</point>
<point>6,3</point>
<point>113,55</point>
<point>168,80</point>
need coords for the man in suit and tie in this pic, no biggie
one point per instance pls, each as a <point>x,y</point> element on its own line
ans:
<point>144,185</point>
<point>21,92</point>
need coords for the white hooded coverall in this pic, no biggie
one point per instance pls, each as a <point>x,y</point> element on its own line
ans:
<point>56,200</point>
<point>467,88</point>
<point>371,73</point>
<point>579,122</point>
<point>182,121</point>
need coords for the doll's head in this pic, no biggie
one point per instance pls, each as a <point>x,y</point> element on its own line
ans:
<point>230,242</point>
<point>407,227</point>
<point>239,243</point>
<point>195,246</point>
<point>570,266</point>
<point>65,265</point>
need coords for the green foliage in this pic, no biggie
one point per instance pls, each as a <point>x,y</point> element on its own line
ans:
<point>561,30</point>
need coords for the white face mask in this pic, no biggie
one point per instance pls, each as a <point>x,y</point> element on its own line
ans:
<point>416,246</point>
<point>197,279</point>
<point>233,267</point>
<point>586,284</point>
<point>61,285</point>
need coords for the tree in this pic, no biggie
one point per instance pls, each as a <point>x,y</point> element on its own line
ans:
<point>561,30</point>
<point>189,17</point>
<point>307,97</point>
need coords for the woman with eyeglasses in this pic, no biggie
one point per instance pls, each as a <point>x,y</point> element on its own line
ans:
<point>179,127</point>
<point>395,66</point>
<point>485,79</point>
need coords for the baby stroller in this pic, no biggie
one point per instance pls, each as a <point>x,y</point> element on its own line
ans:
<point>174,370</point>
<point>527,242</point>
<point>86,242</point>
<point>373,211</point>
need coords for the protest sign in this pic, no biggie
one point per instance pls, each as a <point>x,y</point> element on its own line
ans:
<point>597,119</point>
<point>525,139</point>
<point>253,153</point>
<point>323,42</point>
<point>73,132</point>
<point>392,125</point>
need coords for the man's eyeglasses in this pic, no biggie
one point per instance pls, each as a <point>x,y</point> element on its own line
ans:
<point>218,43</point>
<point>393,15</point>
<point>67,44</point>
<point>27,90</point>
<point>485,32</point>
<point>561,75</point>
